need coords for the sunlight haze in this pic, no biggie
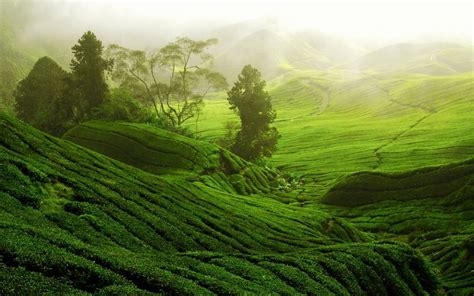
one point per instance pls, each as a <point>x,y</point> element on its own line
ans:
<point>382,19</point>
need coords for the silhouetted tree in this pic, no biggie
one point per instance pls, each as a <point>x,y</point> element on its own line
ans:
<point>38,96</point>
<point>256,138</point>
<point>89,88</point>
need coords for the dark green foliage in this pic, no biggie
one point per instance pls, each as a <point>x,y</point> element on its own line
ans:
<point>107,228</point>
<point>231,130</point>
<point>38,96</point>
<point>256,139</point>
<point>431,182</point>
<point>121,106</point>
<point>88,88</point>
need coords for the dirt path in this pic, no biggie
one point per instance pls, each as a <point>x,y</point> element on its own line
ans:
<point>324,104</point>
<point>429,111</point>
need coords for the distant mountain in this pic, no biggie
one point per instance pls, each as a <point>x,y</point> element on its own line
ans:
<point>336,49</point>
<point>425,58</point>
<point>14,64</point>
<point>272,53</point>
<point>266,44</point>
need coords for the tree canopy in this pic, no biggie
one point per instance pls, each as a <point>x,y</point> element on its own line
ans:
<point>37,96</point>
<point>88,86</point>
<point>248,98</point>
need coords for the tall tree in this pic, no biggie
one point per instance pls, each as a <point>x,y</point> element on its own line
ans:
<point>88,74</point>
<point>174,79</point>
<point>248,98</point>
<point>38,96</point>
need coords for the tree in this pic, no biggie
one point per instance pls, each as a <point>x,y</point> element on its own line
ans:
<point>173,80</point>
<point>121,106</point>
<point>38,95</point>
<point>88,86</point>
<point>248,98</point>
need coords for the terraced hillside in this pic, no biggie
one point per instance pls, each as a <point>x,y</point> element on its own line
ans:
<point>76,222</point>
<point>168,154</point>
<point>432,209</point>
<point>390,152</point>
<point>335,123</point>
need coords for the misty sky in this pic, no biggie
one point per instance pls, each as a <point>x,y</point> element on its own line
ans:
<point>382,19</point>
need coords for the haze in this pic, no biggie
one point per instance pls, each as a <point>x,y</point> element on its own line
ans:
<point>151,22</point>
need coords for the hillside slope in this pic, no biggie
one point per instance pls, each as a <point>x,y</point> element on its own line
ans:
<point>165,153</point>
<point>431,208</point>
<point>75,222</point>
<point>335,123</point>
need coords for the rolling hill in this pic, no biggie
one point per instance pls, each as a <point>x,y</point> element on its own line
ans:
<point>168,154</point>
<point>271,52</point>
<point>431,208</point>
<point>76,222</point>
<point>335,123</point>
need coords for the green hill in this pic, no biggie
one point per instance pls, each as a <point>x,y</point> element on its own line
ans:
<point>429,208</point>
<point>335,123</point>
<point>76,222</point>
<point>430,182</point>
<point>164,153</point>
<point>14,64</point>
<point>19,49</point>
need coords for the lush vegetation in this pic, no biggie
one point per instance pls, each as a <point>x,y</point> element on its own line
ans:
<point>75,221</point>
<point>165,181</point>
<point>397,162</point>
<point>39,96</point>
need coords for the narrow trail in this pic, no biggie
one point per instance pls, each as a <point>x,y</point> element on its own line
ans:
<point>325,102</point>
<point>429,111</point>
<point>378,157</point>
<point>326,98</point>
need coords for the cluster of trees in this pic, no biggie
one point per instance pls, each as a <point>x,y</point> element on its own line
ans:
<point>166,87</point>
<point>53,100</point>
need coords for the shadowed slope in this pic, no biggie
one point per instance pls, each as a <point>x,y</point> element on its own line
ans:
<point>432,209</point>
<point>431,182</point>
